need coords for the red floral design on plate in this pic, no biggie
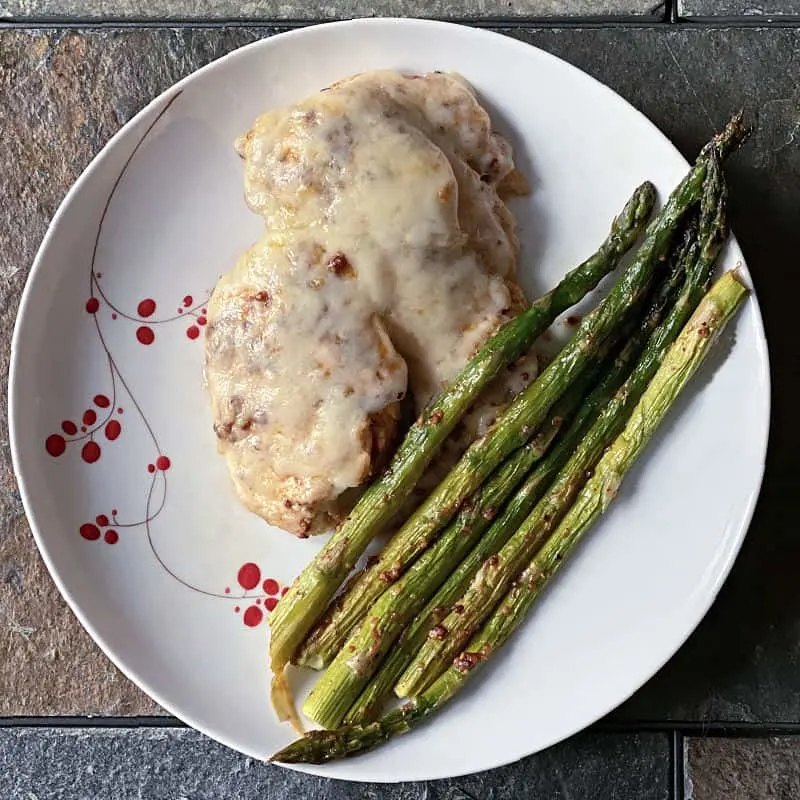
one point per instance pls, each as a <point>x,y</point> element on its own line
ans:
<point>100,422</point>
<point>249,577</point>
<point>145,309</point>
<point>91,425</point>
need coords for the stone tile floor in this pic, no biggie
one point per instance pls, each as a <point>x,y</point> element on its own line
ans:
<point>322,9</point>
<point>65,90</point>
<point>743,8</point>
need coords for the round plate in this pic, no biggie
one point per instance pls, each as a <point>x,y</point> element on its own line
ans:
<point>132,508</point>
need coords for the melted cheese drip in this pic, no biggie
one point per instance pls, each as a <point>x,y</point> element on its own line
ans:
<point>385,265</point>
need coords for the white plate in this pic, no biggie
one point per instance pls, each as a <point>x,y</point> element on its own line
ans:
<point>141,239</point>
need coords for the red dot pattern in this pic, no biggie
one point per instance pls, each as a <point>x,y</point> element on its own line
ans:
<point>89,531</point>
<point>55,445</point>
<point>145,335</point>
<point>147,307</point>
<point>253,616</point>
<point>249,576</point>
<point>90,452</point>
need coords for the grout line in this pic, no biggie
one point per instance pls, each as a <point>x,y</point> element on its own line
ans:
<point>702,728</point>
<point>675,728</point>
<point>678,759</point>
<point>513,23</point>
<point>251,22</point>
<point>91,722</point>
<point>753,21</point>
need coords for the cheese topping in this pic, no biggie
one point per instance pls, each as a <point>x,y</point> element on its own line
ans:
<point>387,261</point>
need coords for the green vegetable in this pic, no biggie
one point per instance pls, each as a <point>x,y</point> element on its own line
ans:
<point>310,593</point>
<point>356,662</point>
<point>520,419</point>
<point>495,576</point>
<point>370,701</point>
<point>682,360</point>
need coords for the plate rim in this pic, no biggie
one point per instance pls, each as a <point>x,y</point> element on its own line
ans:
<point>17,448</point>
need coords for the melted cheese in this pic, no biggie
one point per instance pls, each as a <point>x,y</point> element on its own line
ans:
<point>385,264</point>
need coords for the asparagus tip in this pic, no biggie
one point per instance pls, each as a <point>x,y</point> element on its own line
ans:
<point>735,133</point>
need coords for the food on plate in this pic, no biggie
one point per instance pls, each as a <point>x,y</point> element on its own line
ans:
<point>388,259</point>
<point>440,565</point>
<point>346,677</point>
<point>309,595</point>
<point>693,264</point>
<point>428,612</point>
<point>709,320</point>
<point>526,413</point>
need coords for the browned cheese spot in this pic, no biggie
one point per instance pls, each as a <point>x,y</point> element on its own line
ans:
<point>340,266</point>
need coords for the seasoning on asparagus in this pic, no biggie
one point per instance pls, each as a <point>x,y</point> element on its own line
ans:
<point>496,574</point>
<point>681,362</point>
<point>363,652</point>
<point>520,419</point>
<point>310,593</point>
<point>369,703</point>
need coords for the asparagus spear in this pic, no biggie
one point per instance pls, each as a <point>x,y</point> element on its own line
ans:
<point>495,576</point>
<point>685,355</point>
<point>379,688</point>
<point>369,702</point>
<point>307,598</point>
<point>369,644</point>
<point>519,420</point>
<point>357,661</point>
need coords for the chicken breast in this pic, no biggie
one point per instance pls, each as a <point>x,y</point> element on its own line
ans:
<point>388,259</point>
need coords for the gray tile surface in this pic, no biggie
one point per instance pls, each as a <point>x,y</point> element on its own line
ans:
<point>162,764</point>
<point>321,9</point>
<point>743,769</point>
<point>64,93</point>
<point>739,8</point>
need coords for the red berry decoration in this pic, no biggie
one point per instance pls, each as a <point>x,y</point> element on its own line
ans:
<point>55,445</point>
<point>253,616</point>
<point>249,576</point>
<point>145,335</point>
<point>90,452</point>
<point>112,430</point>
<point>90,532</point>
<point>147,307</point>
